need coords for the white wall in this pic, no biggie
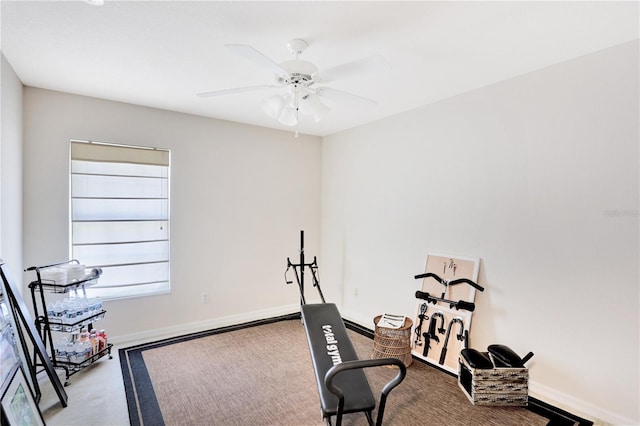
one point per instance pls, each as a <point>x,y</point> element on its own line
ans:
<point>11,170</point>
<point>240,196</point>
<point>538,176</point>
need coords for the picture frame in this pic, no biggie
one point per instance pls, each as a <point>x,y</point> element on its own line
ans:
<point>12,353</point>
<point>9,357</point>
<point>29,344</point>
<point>18,404</point>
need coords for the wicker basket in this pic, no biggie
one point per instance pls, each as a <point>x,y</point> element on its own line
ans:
<point>494,386</point>
<point>393,342</point>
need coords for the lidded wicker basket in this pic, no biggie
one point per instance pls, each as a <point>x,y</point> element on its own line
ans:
<point>393,342</point>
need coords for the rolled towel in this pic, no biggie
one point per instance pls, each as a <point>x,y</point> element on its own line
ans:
<point>75,272</point>
<point>54,275</point>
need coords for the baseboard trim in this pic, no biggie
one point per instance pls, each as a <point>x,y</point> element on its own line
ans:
<point>200,326</point>
<point>600,416</point>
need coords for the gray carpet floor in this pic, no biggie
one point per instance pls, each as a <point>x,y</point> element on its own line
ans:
<point>263,375</point>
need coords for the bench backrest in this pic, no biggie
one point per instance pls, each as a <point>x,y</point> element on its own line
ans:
<point>329,345</point>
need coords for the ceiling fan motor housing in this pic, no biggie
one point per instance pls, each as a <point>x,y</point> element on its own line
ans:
<point>300,72</point>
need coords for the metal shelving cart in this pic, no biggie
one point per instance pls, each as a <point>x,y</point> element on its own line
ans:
<point>48,322</point>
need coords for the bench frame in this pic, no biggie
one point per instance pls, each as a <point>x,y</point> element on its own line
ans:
<point>359,364</point>
<point>329,371</point>
<point>336,364</point>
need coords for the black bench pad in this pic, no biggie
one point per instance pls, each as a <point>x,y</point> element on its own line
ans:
<point>329,345</point>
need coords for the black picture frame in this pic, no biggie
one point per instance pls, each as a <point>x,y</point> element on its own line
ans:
<point>18,403</point>
<point>26,337</point>
<point>12,353</point>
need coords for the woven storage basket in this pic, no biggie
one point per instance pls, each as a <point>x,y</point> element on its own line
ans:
<point>494,386</point>
<point>393,342</point>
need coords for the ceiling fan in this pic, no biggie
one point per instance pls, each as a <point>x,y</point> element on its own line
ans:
<point>303,82</point>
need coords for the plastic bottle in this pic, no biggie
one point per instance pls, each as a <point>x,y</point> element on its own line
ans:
<point>86,353</point>
<point>60,347</point>
<point>101,342</point>
<point>103,335</point>
<point>54,312</point>
<point>50,311</point>
<point>70,308</point>
<point>79,310</point>
<point>93,339</point>
<point>85,308</point>
<point>72,347</point>
<point>78,352</point>
<point>61,311</point>
<point>84,334</point>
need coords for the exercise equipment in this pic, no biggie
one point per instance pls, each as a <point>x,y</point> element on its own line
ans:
<point>431,334</point>
<point>449,283</point>
<point>476,359</point>
<point>459,336</point>
<point>504,356</point>
<point>460,304</point>
<point>342,385</point>
<point>298,269</point>
<point>422,316</point>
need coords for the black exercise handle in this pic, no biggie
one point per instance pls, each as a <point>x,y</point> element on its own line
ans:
<point>424,296</point>
<point>449,283</point>
<point>465,306</point>
<point>460,304</point>
<point>429,274</point>
<point>527,357</point>
<point>466,281</point>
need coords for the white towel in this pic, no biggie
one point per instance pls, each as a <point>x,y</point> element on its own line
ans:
<point>54,275</point>
<point>74,271</point>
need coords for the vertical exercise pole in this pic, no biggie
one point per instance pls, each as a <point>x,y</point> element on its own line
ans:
<point>302,265</point>
<point>298,270</point>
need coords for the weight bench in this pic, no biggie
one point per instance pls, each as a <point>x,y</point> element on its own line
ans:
<point>342,385</point>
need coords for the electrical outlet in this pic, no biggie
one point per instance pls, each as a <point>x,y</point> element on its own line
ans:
<point>205,297</point>
<point>356,292</point>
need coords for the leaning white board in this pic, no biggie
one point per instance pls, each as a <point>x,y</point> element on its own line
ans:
<point>448,267</point>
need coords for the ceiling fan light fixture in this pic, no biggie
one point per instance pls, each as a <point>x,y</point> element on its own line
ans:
<point>273,106</point>
<point>288,116</point>
<point>300,79</point>
<point>310,104</point>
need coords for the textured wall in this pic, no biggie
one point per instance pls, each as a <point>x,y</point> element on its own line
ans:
<point>538,177</point>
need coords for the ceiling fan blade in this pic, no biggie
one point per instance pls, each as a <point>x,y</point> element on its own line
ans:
<point>257,58</point>
<point>234,90</point>
<point>345,98</point>
<point>350,69</point>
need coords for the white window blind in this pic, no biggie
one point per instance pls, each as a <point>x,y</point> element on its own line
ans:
<point>120,217</point>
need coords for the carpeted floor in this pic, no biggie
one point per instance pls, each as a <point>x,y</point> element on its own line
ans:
<point>262,375</point>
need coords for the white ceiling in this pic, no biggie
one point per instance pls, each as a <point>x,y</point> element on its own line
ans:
<point>161,53</point>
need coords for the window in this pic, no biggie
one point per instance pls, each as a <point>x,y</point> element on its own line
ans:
<point>120,217</point>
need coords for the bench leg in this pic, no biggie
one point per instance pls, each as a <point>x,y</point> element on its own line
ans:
<point>369,417</point>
